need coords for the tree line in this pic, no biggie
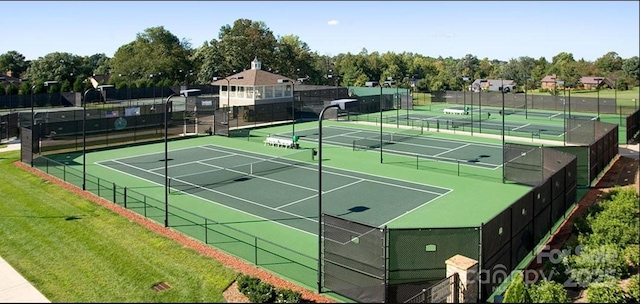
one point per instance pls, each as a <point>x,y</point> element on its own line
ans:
<point>158,58</point>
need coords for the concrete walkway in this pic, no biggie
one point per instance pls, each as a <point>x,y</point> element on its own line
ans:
<point>13,287</point>
<point>16,289</point>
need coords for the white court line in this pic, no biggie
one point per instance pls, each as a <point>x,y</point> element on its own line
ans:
<point>188,163</point>
<point>554,115</point>
<point>323,192</point>
<point>214,202</point>
<point>256,176</point>
<point>520,127</point>
<point>217,192</point>
<point>411,210</point>
<point>430,138</point>
<point>460,147</point>
<point>360,173</point>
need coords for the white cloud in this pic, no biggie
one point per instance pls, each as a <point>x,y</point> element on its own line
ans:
<point>333,22</point>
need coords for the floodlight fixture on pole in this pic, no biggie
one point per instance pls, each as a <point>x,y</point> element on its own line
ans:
<point>184,93</point>
<point>341,104</point>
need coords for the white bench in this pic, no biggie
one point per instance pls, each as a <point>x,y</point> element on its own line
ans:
<point>280,142</point>
<point>453,111</point>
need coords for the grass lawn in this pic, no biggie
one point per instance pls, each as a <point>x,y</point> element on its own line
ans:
<point>74,250</point>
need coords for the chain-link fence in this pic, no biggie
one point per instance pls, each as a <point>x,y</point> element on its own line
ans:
<point>521,102</point>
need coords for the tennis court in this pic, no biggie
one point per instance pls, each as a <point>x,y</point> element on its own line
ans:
<point>410,142</point>
<point>282,190</point>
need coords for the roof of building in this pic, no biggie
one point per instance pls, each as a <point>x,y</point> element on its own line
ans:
<point>549,78</point>
<point>494,82</point>
<point>253,77</point>
<point>591,79</point>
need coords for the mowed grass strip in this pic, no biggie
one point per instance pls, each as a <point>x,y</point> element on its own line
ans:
<point>74,250</point>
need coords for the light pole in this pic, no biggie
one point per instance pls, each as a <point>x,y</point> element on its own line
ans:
<point>84,131</point>
<point>464,93</point>
<point>228,79</point>
<point>184,93</point>
<point>599,80</point>
<point>526,81</point>
<point>128,85</point>
<point>341,104</point>
<point>570,86</point>
<point>381,123</point>
<point>564,107</point>
<point>503,115</point>
<point>33,116</point>
<point>293,104</point>
<point>480,106</point>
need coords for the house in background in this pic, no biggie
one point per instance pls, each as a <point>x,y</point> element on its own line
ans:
<point>254,87</point>
<point>7,79</point>
<point>591,82</point>
<point>549,82</point>
<point>494,85</point>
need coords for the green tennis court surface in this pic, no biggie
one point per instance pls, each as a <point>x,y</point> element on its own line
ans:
<point>281,190</point>
<point>410,142</point>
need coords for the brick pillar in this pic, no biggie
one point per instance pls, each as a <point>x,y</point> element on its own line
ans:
<point>467,270</point>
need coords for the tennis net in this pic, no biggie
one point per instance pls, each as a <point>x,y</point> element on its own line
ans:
<point>218,176</point>
<point>387,138</point>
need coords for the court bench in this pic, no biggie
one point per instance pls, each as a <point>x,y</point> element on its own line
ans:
<point>280,142</point>
<point>453,111</point>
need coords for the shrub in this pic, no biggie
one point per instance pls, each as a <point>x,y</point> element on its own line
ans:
<point>596,263</point>
<point>548,292</point>
<point>517,291</point>
<point>247,283</point>
<point>557,272</point>
<point>631,255</point>
<point>605,292</point>
<point>287,296</point>
<point>264,292</point>
<point>634,289</point>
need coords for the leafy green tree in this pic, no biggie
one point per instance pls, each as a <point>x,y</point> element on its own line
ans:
<point>25,88</point>
<point>545,291</point>
<point>13,61</point>
<point>244,41</point>
<point>631,68</point>
<point>517,291</point>
<point>156,50</point>
<point>609,63</point>
<point>56,66</point>
<point>98,64</point>
<point>2,90</point>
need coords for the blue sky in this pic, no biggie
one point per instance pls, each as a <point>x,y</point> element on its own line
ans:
<point>493,29</point>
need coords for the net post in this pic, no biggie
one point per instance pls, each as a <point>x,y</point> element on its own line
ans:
<point>114,193</point>
<point>353,145</point>
<point>125,197</point>
<point>458,161</point>
<point>169,184</point>
<point>417,162</point>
